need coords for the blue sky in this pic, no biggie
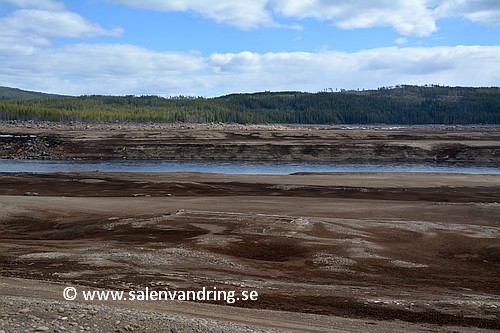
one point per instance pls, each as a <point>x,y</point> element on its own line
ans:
<point>215,47</point>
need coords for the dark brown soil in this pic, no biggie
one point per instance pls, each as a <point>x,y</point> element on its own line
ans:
<point>420,248</point>
<point>412,250</point>
<point>469,144</point>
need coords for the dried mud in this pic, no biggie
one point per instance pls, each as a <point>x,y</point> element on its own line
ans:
<point>466,144</point>
<point>417,248</point>
<point>342,251</point>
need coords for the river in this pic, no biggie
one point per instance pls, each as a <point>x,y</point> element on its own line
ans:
<point>234,167</point>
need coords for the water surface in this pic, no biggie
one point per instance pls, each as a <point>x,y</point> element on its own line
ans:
<point>235,167</point>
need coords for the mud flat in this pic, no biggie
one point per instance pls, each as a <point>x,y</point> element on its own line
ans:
<point>325,252</point>
<point>469,144</point>
<point>358,252</point>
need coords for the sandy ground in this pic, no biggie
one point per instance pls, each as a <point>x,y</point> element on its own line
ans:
<point>325,252</point>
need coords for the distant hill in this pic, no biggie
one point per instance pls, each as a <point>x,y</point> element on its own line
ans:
<point>404,104</point>
<point>7,93</point>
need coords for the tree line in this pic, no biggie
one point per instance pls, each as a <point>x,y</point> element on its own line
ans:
<point>405,104</point>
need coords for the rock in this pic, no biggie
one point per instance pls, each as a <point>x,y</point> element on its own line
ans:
<point>128,328</point>
<point>42,329</point>
<point>24,310</point>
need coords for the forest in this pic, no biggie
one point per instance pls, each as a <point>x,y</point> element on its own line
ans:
<point>402,104</point>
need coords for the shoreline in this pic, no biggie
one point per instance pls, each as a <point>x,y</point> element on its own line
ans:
<point>419,144</point>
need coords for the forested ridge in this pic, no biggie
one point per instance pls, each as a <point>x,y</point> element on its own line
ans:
<point>405,104</point>
<point>7,93</point>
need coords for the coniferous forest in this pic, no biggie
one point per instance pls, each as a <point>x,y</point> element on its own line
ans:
<point>404,104</point>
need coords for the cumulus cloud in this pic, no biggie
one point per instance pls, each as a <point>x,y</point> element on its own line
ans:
<point>39,4</point>
<point>101,69</point>
<point>486,12</point>
<point>127,69</point>
<point>25,29</point>
<point>244,14</point>
<point>409,17</point>
<point>48,24</point>
<point>462,65</point>
<point>401,41</point>
<point>30,60</point>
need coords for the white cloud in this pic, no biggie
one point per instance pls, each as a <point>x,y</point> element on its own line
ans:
<point>462,65</point>
<point>408,17</point>
<point>401,41</point>
<point>55,24</point>
<point>39,4</point>
<point>126,69</point>
<point>29,59</point>
<point>244,14</point>
<point>37,27</point>
<point>486,12</point>
<point>100,69</point>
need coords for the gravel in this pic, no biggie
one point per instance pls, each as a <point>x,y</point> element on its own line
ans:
<point>24,314</point>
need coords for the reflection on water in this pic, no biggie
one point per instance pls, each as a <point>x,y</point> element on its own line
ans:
<point>235,167</point>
